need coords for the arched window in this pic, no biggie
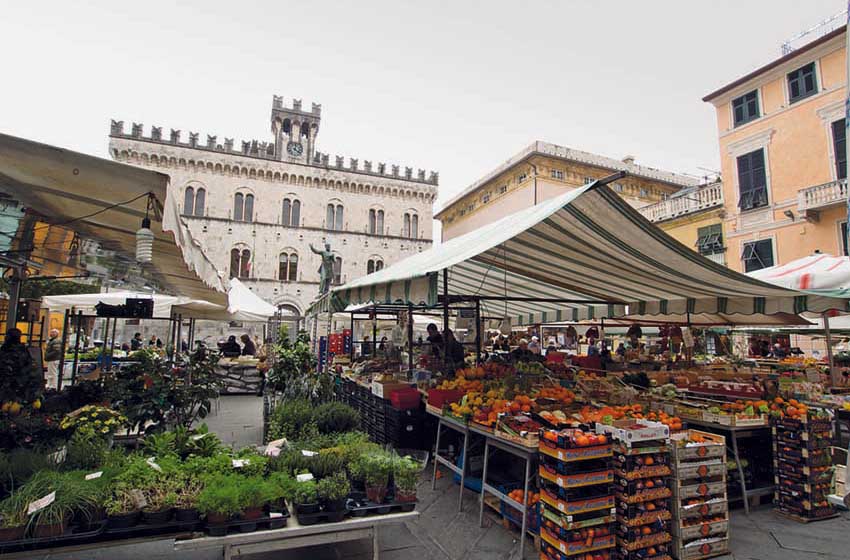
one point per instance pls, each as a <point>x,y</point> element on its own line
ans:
<point>249,208</point>
<point>293,267</point>
<point>338,270</point>
<point>189,201</point>
<point>414,226</point>
<point>287,212</point>
<point>238,206</point>
<point>372,222</point>
<point>406,230</point>
<point>380,222</point>
<point>374,265</point>
<point>339,223</point>
<point>240,263</point>
<point>287,126</point>
<point>305,130</point>
<point>329,217</point>
<point>200,201</point>
<point>296,213</point>
<point>379,265</point>
<point>288,267</point>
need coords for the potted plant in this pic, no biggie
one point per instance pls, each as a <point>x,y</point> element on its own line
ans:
<point>375,469</point>
<point>406,476</point>
<point>285,486</point>
<point>162,499</point>
<point>255,493</point>
<point>220,499</point>
<point>305,497</point>
<point>121,508</point>
<point>333,491</point>
<point>13,519</point>
<point>186,506</point>
<point>72,497</point>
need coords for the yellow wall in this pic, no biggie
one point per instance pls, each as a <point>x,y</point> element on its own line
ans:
<point>797,139</point>
<point>685,229</point>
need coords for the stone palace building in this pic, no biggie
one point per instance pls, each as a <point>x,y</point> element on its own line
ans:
<point>256,207</point>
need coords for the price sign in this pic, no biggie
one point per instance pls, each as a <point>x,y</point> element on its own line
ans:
<point>94,475</point>
<point>239,463</point>
<point>308,453</point>
<point>153,465</point>
<point>41,503</point>
<point>304,477</point>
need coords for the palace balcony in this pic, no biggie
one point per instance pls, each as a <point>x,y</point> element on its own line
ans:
<point>702,198</point>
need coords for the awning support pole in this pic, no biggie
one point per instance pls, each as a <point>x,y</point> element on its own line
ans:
<point>351,346</point>
<point>79,322</point>
<point>409,340</point>
<point>833,374</point>
<point>478,332</point>
<point>445,310</point>
<point>14,283</point>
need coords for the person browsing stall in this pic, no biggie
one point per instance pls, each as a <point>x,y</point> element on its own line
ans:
<point>248,348</point>
<point>521,353</point>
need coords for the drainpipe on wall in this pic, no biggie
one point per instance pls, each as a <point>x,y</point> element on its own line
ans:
<point>534,179</point>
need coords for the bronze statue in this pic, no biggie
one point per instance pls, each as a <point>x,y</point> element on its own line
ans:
<point>326,271</point>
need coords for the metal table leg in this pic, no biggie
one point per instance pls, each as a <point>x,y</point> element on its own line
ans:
<point>463,470</point>
<point>436,454</point>
<point>483,482</point>
<point>525,509</point>
<point>376,546</point>
<point>740,472</point>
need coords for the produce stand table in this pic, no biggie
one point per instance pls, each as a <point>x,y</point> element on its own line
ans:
<point>232,546</point>
<point>240,378</point>
<point>462,429</point>
<point>736,433</point>
<point>529,454</point>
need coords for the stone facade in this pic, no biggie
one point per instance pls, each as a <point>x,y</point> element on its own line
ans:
<point>256,208</point>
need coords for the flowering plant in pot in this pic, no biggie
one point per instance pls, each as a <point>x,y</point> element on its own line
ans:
<point>406,476</point>
<point>13,518</point>
<point>305,497</point>
<point>122,508</point>
<point>333,491</point>
<point>220,499</point>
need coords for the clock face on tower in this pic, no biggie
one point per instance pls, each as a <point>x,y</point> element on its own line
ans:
<point>294,149</point>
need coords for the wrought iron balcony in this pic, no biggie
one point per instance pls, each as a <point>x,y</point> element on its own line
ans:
<point>703,198</point>
<point>816,198</point>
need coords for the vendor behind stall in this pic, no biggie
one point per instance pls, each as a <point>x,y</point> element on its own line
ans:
<point>230,348</point>
<point>248,348</point>
<point>521,353</point>
<point>634,333</point>
<point>454,352</point>
<point>435,339</point>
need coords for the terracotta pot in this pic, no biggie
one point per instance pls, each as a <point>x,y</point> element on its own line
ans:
<point>376,494</point>
<point>51,530</point>
<point>217,518</point>
<point>252,513</point>
<point>405,497</point>
<point>12,533</point>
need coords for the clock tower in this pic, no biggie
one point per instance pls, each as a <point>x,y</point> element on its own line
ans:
<point>295,130</point>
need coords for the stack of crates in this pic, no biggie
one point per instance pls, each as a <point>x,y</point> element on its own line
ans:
<point>700,504</point>
<point>576,496</point>
<point>802,465</point>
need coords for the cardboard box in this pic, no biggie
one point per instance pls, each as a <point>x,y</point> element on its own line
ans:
<point>383,389</point>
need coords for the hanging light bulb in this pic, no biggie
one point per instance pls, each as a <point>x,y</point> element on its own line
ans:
<point>144,240</point>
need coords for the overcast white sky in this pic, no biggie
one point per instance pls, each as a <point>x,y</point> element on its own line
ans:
<point>452,86</point>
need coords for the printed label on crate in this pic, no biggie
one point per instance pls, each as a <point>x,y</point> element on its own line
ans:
<point>580,506</point>
<point>41,503</point>
<point>578,480</point>
<point>577,453</point>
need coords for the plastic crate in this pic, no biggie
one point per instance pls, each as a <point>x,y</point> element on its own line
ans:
<point>514,516</point>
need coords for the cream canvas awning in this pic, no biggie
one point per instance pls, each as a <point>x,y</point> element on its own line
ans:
<point>67,187</point>
<point>587,246</point>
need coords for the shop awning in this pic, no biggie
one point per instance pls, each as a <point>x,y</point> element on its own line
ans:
<point>242,305</point>
<point>819,273</point>
<point>587,246</point>
<point>67,187</point>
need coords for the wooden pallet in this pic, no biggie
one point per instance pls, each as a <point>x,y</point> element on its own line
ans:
<point>801,519</point>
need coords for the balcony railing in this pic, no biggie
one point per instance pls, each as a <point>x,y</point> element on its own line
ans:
<point>706,197</point>
<point>822,196</point>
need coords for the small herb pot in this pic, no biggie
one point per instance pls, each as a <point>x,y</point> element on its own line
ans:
<point>157,517</point>
<point>8,534</point>
<point>307,509</point>
<point>376,494</point>
<point>188,515</point>
<point>247,527</point>
<point>217,518</point>
<point>123,520</point>
<point>252,513</point>
<point>405,497</point>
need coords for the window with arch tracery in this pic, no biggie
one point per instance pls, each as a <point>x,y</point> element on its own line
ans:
<point>240,263</point>
<point>243,207</point>
<point>338,271</point>
<point>411,225</point>
<point>288,267</point>
<point>194,201</point>
<point>334,217</point>
<point>376,222</point>
<point>291,212</point>
<point>374,265</point>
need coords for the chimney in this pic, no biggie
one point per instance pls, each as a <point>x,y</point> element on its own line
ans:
<point>628,159</point>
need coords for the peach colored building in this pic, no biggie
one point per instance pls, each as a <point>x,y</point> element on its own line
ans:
<point>782,150</point>
<point>543,170</point>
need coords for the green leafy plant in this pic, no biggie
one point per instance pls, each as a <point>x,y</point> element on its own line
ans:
<point>406,474</point>
<point>160,445</point>
<point>120,501</point>
<point>74,496</point>
<point>13,511</point>
<point>305,492</point>
<point>86,449</point>
<point>254,463</point>
<point>334,488</point>
<point>285,483</point>
<point>292,419</point>
<point>336,417</point>
<point>293,370</point>
<point>193,389</point>
<point>255,492</point>
<point>325,464</point>
<point>374,468</point>
<point>221,496</point>
<point>98,419</point>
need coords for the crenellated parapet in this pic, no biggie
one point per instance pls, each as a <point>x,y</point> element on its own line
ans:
<point>266,151</point>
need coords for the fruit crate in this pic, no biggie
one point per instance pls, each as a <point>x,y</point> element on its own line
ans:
<point>576,480</point>
<point>702,529</point>
<point>712,445</point>
<point>549,552</point>
<point>629,432</point>
<point>577,547</point>
<point>703,508</point>
<point>580,534</point>
<point>701,548</point>
<point>700,469</point>
<point>552,517</point>
<point>634,533</point>
<point>635,510</point>
<point>699,490</point>
<point>575,453</point>
<point>576,507</point>
<point>640,518</point>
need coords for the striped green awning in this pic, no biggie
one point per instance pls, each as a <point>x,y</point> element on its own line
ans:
<point>586,245</point>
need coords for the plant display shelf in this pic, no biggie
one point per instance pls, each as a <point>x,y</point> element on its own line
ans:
<point>700,506</point>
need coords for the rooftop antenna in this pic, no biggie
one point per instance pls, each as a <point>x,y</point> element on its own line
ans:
<point>828,25</point>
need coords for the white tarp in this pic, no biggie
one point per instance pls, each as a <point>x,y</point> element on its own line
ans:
<point>821,273</point>
<point>85,302</point>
